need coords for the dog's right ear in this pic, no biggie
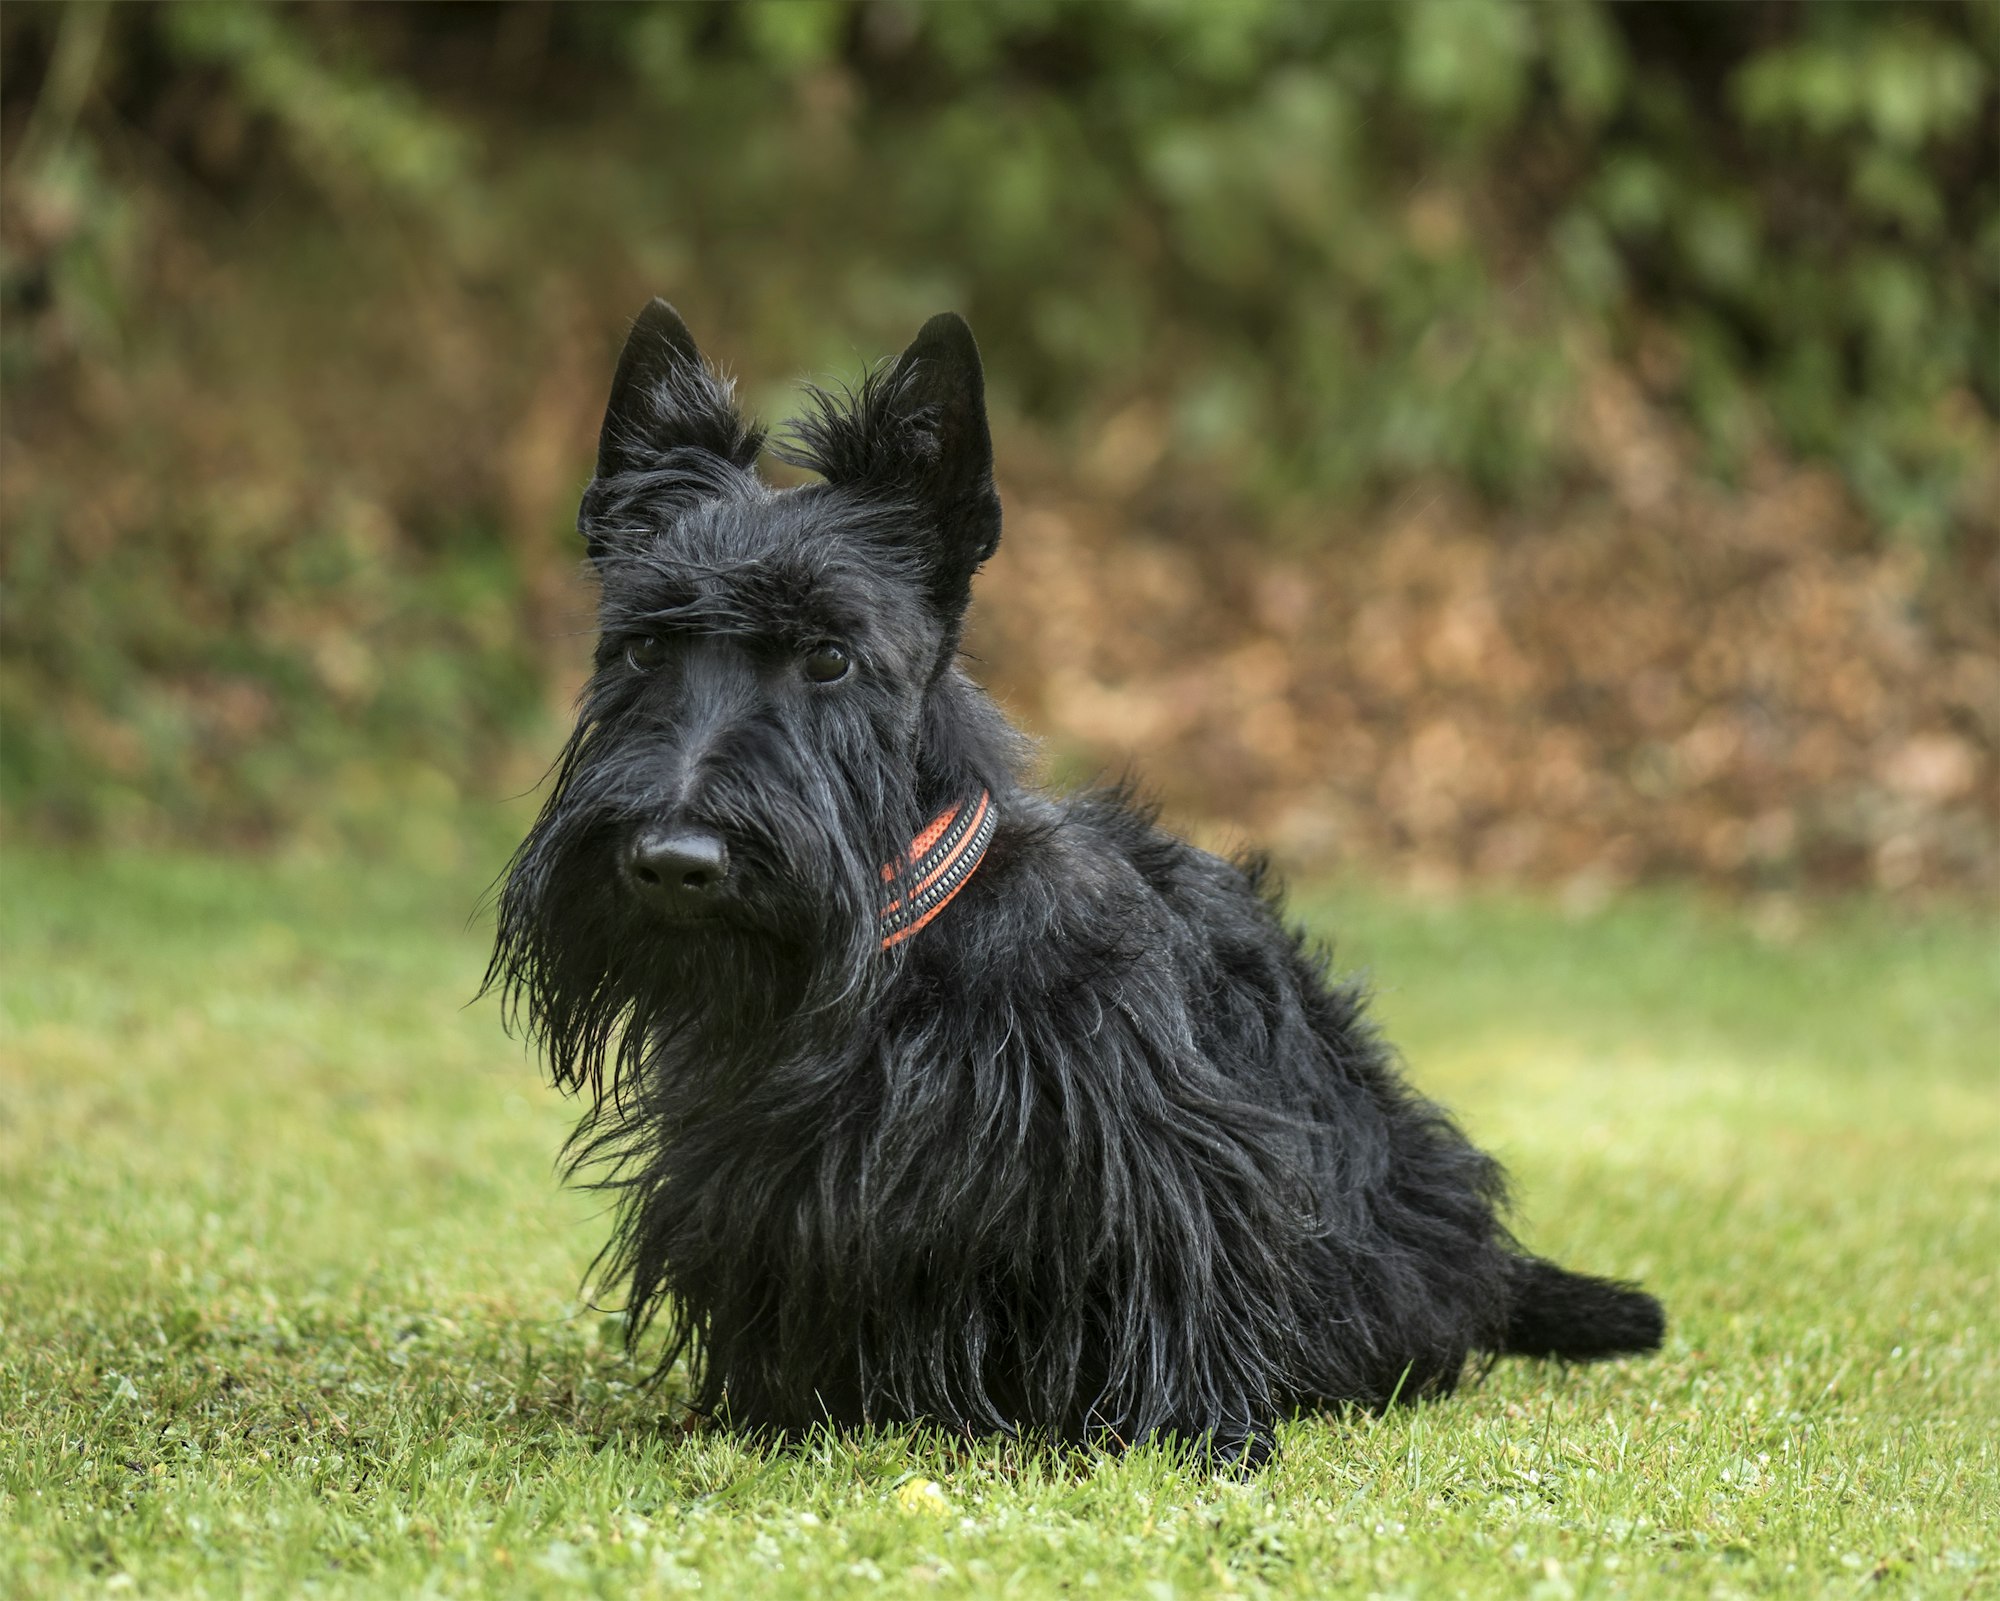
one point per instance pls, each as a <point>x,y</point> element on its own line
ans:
<point>658,366</point>
<point>665,400</point>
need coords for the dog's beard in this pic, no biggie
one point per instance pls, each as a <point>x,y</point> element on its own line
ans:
<point>613,992</point>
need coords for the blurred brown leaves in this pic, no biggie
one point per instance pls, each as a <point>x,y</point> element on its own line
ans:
<point>1666,678</point>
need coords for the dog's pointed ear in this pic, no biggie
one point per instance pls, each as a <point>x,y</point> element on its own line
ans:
<point>938,385</point>
<point>916,432</point>
<point>665,399</point>
<point>659,354</point>
<point>937,393</point>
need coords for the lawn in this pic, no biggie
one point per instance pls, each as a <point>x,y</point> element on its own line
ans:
<point>289,1288</point>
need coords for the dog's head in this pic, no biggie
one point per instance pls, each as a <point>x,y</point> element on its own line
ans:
<point>775,711</point>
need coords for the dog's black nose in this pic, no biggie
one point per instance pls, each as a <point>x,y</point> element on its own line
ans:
<point>676,869</point>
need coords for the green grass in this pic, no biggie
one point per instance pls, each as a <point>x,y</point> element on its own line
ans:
<point>287,1284</point>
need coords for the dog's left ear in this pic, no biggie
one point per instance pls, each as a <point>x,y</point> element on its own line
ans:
<point>916,431</point>
<point>936,395</point>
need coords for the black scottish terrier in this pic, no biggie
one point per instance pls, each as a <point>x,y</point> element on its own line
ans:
<point>930,1096</point>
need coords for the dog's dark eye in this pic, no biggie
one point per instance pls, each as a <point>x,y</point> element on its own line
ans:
<point>826,662</point>
<point>645,652</point>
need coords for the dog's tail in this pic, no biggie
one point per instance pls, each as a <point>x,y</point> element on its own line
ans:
<point>1552,1312</point>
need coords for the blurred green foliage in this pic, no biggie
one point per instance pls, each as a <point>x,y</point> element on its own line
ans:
<point>1359,240</point>
<point>1339,247</point>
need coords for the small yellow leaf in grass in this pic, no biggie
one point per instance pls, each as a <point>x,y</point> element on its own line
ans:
<point>922,1495</point>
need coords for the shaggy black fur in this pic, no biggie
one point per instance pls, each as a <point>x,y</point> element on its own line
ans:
<point>1099,1154</point>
